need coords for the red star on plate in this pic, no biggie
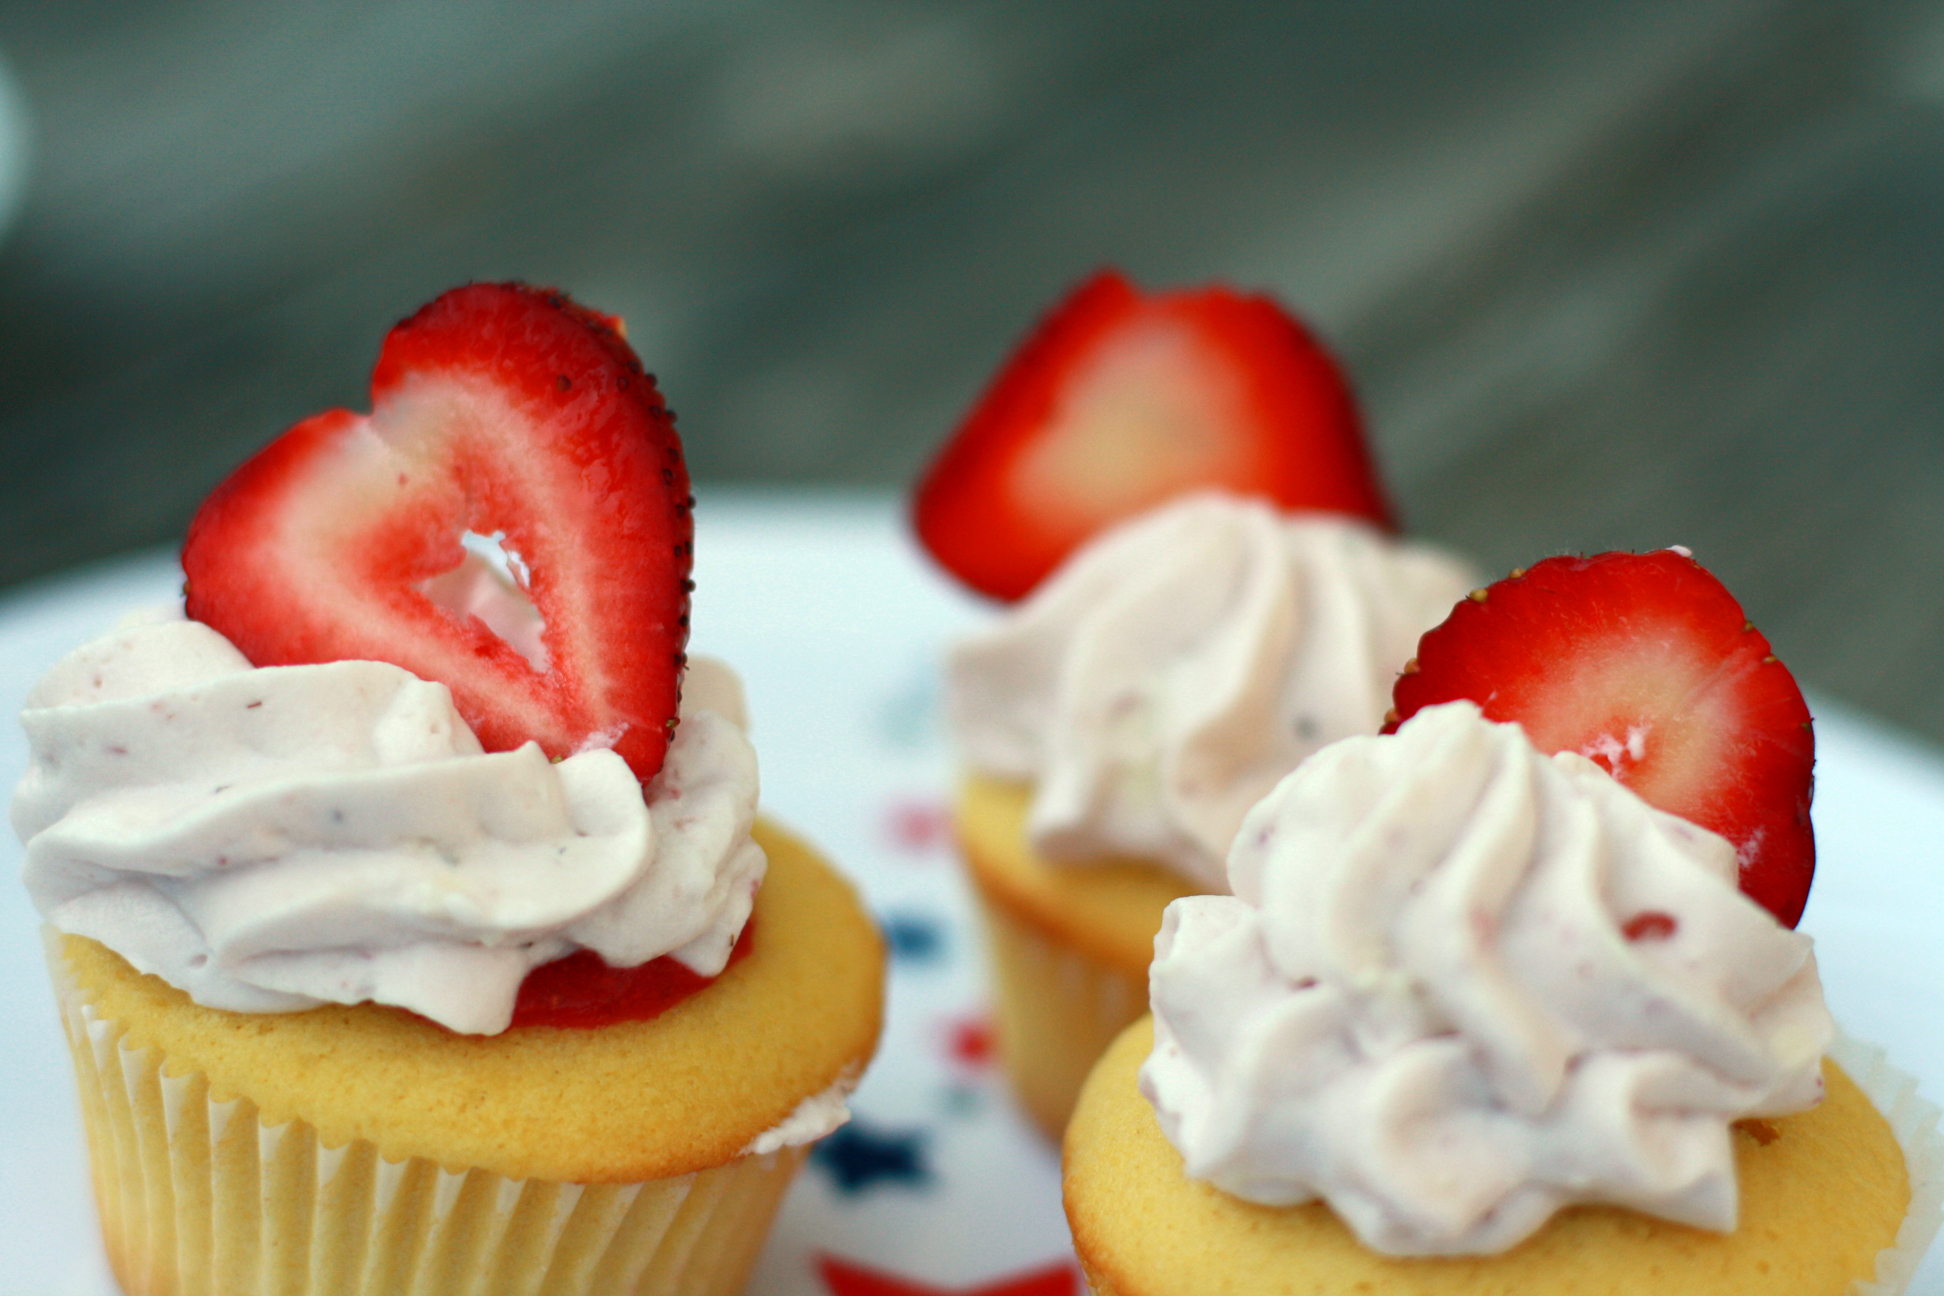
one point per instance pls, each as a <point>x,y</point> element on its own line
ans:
<point>846,1279</point>
<point>918,827</point>
<point>969,1040</point>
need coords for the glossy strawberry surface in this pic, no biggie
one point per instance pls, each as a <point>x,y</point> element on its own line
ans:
<point>1646,664</point>
<point>1119,401</point>
<point>503,412</point>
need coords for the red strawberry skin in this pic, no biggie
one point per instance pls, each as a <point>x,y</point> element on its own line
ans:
<point>1646,664</point>
<point>1118,402</point>
<point>496,409</point>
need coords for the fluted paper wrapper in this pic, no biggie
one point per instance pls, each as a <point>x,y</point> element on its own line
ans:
<point>200,1197</point>
<point>1057,1011</point>
<point>1914,1122</point>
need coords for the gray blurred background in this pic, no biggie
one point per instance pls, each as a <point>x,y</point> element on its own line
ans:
<point>1615,275</point>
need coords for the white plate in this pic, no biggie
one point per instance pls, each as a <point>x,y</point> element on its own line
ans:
<point>836,624</point>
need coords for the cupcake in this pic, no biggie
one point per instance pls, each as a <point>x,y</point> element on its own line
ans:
<point>412,922</point>
<point>1177,489</point>
<point>1480,1018</point>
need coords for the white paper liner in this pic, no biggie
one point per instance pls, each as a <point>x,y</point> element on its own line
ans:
<point>1914,1122</point>
<point>199,1196</point>
<point>1058,1010</point>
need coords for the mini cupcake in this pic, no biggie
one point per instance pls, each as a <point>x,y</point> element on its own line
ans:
<point>489,984</point>
<point>1480,1019</point>
<point>1178,487</point>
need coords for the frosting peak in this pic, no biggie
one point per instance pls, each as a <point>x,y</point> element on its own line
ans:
<point>1461,984</point>
<point>1179,664</point>
<point>270,839</point>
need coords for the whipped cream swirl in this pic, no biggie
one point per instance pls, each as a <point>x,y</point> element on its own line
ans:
<point>1461,984</point>
<point>1177,665</point>
<point>271,839</point>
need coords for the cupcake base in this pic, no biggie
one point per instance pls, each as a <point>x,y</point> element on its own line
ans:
<point>1070,947</point>
<point>228,1157</point>
<point>1842,1199</point>
<point>198,1196</point>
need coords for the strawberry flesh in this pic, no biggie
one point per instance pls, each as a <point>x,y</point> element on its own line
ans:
<point>581,992</point>
<point>1646,664</point>
<point>1118,402</point>
<point>498,410</point>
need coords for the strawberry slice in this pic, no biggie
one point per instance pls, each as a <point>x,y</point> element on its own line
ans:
<point>1118,402</point>
<point>1646,664</point>
<point>504,411</point>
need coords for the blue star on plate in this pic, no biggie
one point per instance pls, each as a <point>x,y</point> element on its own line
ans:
<point>858,1157</point>
<point>914,938</point>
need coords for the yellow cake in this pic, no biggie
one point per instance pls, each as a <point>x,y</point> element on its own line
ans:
<point>1070,946</point>
<point>364,1149</point>
<point>1822,1192</point>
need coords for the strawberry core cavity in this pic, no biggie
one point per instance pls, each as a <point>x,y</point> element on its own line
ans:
<point>490,583</point>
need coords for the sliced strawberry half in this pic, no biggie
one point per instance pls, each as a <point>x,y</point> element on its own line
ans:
<point>1646,664</point>
<point>1118,402</point>
<point>504,411</point>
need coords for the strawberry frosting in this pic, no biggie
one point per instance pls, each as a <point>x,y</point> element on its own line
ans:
<point>1179,664</point>
<point>271,839</point>
<point>1461,984</point>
